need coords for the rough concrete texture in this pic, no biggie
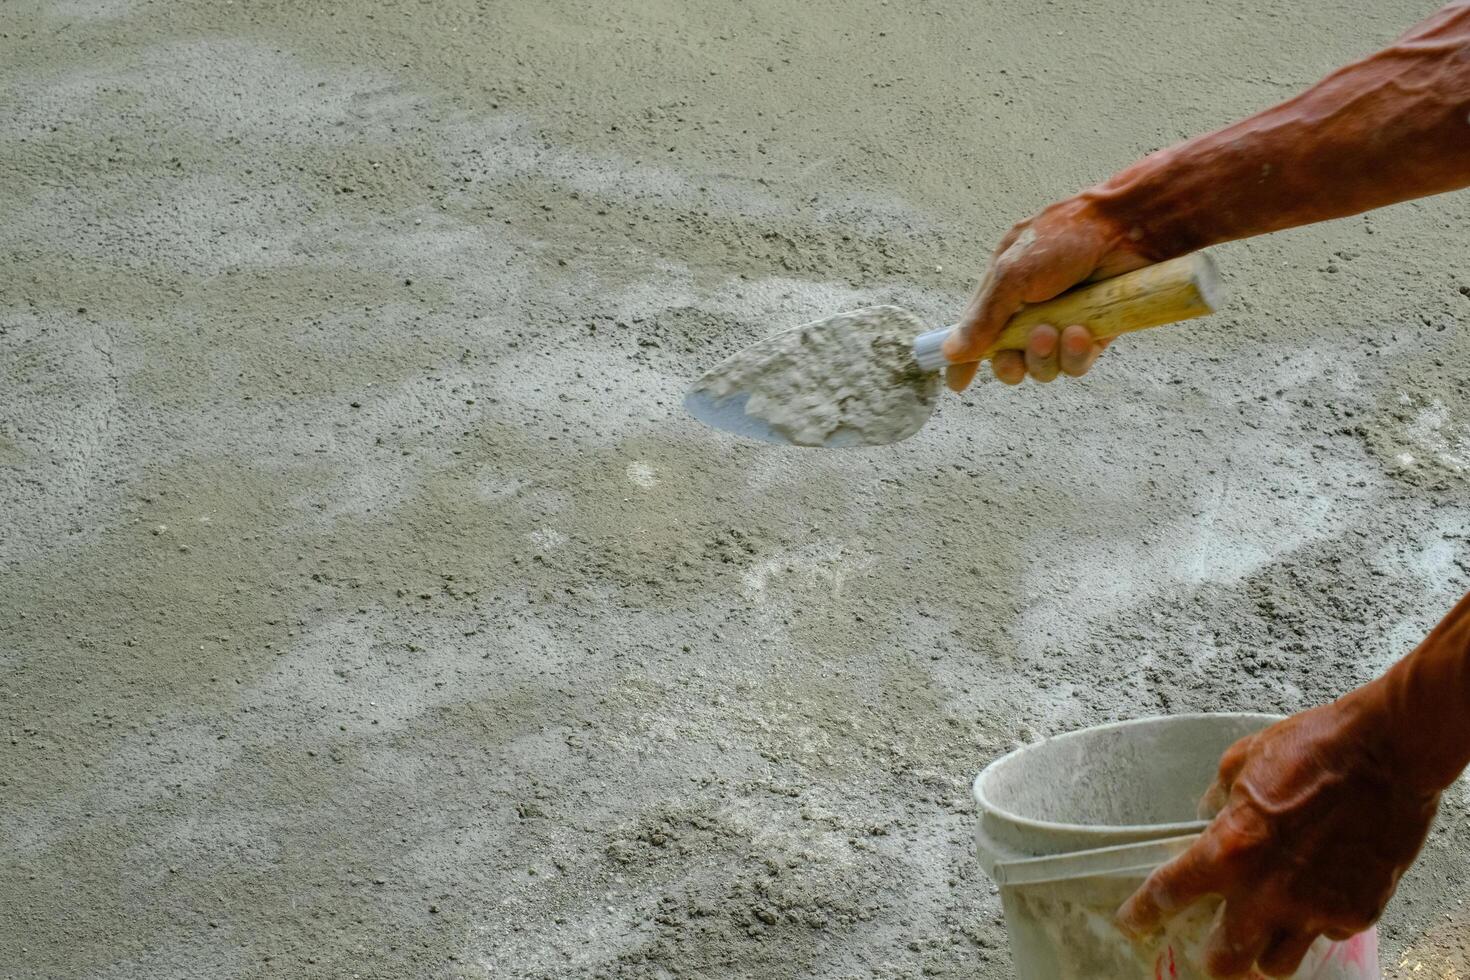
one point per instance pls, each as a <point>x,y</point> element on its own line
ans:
<point>368,607</point>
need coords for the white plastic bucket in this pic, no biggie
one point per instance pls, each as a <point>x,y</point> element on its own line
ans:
<point>1070,826</point>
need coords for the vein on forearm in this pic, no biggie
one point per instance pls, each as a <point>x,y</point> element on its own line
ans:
<point>1393,126</point>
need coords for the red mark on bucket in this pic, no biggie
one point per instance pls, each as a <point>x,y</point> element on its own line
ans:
<point>1359,951</point>
<point>1166,962</point>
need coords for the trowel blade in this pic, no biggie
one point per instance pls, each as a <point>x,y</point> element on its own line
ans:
<point>877,395</point>
<point>728,414</point>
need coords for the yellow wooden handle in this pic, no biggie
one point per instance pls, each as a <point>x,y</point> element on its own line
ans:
<point>1168,292</point>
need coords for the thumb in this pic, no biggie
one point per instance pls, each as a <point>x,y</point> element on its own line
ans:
<point>994,303</point>
<point>995,300</point>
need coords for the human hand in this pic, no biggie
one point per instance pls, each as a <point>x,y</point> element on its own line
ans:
<point>1315,826</point>
<point>1039,258</point>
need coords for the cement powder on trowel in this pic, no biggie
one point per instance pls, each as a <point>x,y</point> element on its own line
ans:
<point>849,379</point>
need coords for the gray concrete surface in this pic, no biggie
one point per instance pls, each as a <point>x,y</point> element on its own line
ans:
<point>368,608</point>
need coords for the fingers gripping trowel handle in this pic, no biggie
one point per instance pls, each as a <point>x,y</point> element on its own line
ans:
<point>1168,292</point>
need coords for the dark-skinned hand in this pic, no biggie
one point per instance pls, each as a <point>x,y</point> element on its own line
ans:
<point>1041,257</point>
<point>1314,828</point>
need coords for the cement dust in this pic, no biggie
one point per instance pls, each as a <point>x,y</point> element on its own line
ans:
<point>849,379</point>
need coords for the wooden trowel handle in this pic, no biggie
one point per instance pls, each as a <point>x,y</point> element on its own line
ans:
<point>1168,292</point>
<point>1178,289</point>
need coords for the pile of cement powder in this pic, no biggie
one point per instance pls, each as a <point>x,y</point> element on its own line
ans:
<point>847,380</point>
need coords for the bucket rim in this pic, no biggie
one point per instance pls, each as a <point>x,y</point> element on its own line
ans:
<point>977,787</point>
<point>1114,860</point>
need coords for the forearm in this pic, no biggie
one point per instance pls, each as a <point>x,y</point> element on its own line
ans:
<point>1418,713</point>
<point>1393,126</point>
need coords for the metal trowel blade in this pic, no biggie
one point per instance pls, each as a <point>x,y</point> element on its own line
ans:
<point>728,414</point>
<point>718,403</point>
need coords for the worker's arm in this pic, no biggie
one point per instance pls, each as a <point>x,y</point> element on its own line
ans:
<point>1320,814</point>
<point>1391,127</point>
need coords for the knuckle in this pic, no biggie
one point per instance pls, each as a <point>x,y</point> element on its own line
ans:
<point>1234,852</point>
<point>1166,895</point>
